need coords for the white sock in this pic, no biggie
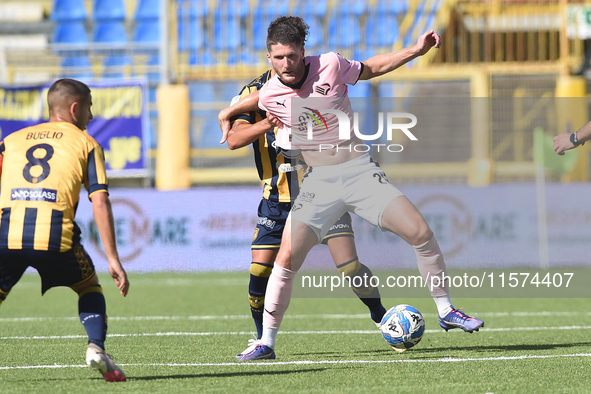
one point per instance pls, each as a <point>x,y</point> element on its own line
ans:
<point>269,335</point>
<point>444,305</point>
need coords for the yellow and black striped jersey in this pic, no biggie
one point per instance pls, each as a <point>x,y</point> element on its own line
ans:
<point>278,185</point>
<point>44,167</point>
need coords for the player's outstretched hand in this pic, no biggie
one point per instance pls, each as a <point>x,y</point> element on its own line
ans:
<point>562,143</point>
<point>119,277</point>
<point>225,124</point>
<point>427,41</point>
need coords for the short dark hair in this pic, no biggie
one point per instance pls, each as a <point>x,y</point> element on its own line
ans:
<point>287,30</point>
<point>67,88</point>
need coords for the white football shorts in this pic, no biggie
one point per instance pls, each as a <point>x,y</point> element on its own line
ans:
<point>327,192</point>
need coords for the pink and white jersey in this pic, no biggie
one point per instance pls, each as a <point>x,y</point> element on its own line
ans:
<point>323,87</point>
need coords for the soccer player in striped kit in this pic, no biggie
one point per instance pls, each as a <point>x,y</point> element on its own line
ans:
<point>44,168</point>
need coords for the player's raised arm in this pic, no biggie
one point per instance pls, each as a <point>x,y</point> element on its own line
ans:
<point>246,104</point>
<point>382,64</point>
<point>243,133</point>
<point>567,141</point>
<point>103,216</point>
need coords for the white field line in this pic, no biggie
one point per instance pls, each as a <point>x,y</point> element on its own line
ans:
<point>341,332</point>
<point>310,362</point>
<point>318,316</point>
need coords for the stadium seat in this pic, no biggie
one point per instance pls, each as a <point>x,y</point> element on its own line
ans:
<point>70,33</point>
<point>313,12</point>
<point>147,10</point>
<point>381,28</point>
<point>204,57</point>
<point>263,15</point>
<point>191,35</point>
<point>108,10</point>
<point>68,10</point>
<point>245,56</point>
<point>110,32</point>
<point>78,62</point>
<point>229,29</point>
<point>147,31</point>
<point>344,29</point>
<point>115,61</point>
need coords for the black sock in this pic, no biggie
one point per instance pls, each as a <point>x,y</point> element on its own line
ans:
<point>93,315</point>
<point>259,277</point>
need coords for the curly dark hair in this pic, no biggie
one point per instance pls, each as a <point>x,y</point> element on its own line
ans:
<point>287,30</point>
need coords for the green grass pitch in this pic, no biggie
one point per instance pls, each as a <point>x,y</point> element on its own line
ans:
<point>180,333</point>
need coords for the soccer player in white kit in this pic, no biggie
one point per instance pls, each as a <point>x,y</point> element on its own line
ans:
<point>339,178</point>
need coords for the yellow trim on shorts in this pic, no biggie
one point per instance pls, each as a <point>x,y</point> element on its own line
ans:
<point>265,246</point>
<point>343,234</point>
<point>91,289</point>
<point>84,280</point>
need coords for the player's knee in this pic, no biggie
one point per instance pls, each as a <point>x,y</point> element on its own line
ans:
<point>421,234</point>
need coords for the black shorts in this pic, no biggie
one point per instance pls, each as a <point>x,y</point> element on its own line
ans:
<point>69,268</point>
<point>272,216</point>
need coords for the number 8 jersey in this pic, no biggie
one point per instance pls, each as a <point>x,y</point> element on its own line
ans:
<point>44,167</point>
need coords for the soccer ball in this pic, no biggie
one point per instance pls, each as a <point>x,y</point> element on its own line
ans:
<point>402,327</point>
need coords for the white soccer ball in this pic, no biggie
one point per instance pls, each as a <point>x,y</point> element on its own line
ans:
<point>402,327</point>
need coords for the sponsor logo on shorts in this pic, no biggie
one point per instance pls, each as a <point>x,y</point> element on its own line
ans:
<point>340,226</point>
<point>307,197</point>
<point>295,207</point>
<point>47,195</point>
<point>264,221</point>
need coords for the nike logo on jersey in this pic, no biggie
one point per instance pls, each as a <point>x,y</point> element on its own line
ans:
<point>282,104</point>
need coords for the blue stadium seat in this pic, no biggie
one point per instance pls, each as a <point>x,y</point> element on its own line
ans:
<point>115,61</point>
<point>313,12</point>
<point>203,57</point>
<point>110,32</point>
<point>381,29</point>
<point>264,13</point>
<point>191,35</point>
<point>344,29</point>
<point>147,31</point>
<point>108,10</point>
<point>362,55</point>
<point>245,56</point>
<point>68,10</point>
<point>229,29</point>
<point>77,62</point>
<point>147,10</point>
<point>70,33</point>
